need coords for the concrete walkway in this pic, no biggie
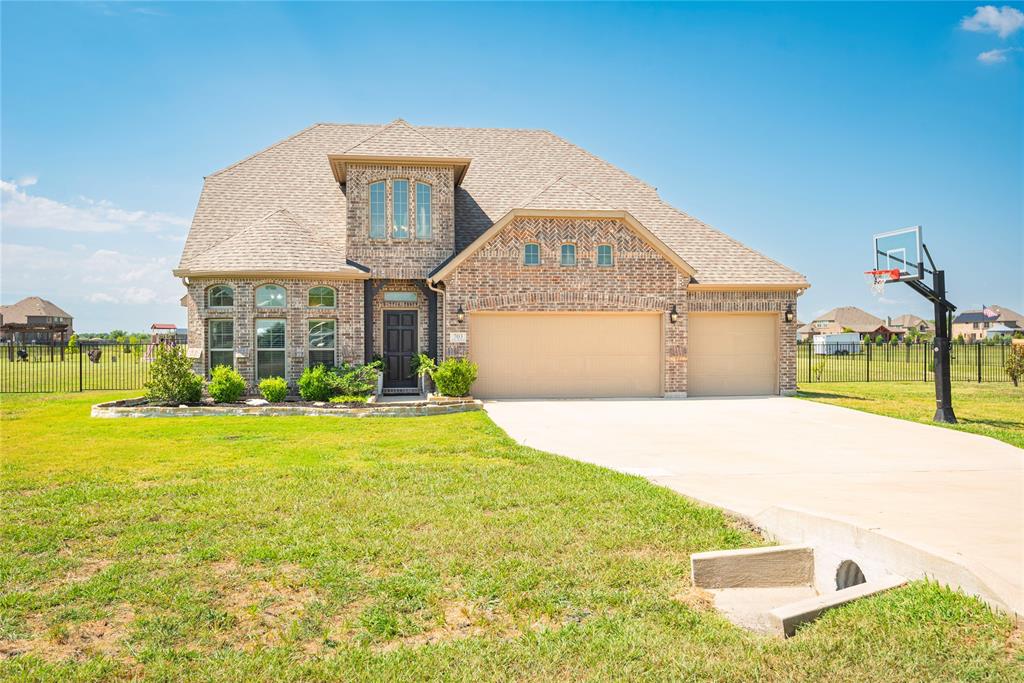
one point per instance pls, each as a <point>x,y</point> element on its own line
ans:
<point>916,499</point>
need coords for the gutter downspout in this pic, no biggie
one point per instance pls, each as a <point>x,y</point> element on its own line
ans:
<point>444,319</point>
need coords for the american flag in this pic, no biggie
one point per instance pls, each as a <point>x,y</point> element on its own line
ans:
<point>989,312</point>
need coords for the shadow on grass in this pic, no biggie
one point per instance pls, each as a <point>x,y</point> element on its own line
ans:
<point>999,424</point>
<point>824,394</point>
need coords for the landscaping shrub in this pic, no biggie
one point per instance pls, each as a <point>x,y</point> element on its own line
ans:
<point>348,399</point>
<point>171,379</point>
<point>1015,364</point>
<point>226,385</point>
<point>274,389</point>
<point>318,384</point>
<point>357,380</point>
<point>455,376</point>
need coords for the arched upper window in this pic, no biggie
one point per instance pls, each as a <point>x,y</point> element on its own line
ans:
<point>220,295</point>
<point>270,296</point>
<point>424,211</point>
<point>321,297</point>
<point>378,210</point>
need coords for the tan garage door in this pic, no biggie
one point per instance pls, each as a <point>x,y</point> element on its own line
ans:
<point>566,355</point>
<point>732,354</point>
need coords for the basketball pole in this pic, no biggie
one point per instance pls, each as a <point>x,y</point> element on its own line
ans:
<point>943,387</point>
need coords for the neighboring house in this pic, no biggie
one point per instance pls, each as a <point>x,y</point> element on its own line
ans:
<point>906,322</point>
<point>556,272</point>
<point>848,319</point>
<point>35,321</point>
<point>168,332</point>
<point>974,325</point>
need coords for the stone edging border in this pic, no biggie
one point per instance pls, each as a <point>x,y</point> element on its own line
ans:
<point>137,408</point>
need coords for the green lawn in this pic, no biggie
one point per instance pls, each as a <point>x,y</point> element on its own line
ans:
<point>317,548</point>
<point>995,409</point>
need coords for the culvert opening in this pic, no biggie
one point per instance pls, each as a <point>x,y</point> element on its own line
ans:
<point>848,574</point>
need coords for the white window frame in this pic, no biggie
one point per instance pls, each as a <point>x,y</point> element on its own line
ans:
<point>611,256</point>
<point>209,296</point>
<point>310,349</point>
<point>424,229</point>
<point>395,194</point>
<point>283,349</point>
<point>382,233</point>
<point>334,297</point>
<point>220,349</point>
<point>256,296</point>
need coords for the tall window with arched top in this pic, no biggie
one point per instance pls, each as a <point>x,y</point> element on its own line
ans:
<point>400,209</point>
<point>424,211</point>
<point>378,210</point>
<point>321,297</point>
<point>220,296</point>
<point>270,296</point>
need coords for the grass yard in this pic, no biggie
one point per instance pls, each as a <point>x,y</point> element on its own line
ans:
<point>995,409</point>
<point>317,548</point>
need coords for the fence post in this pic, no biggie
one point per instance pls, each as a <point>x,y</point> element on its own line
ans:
<point>979,363</point>
<point>868,358</point>
<point>81,350</point>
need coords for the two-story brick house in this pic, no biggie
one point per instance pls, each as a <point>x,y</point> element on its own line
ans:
<point>558,273</point>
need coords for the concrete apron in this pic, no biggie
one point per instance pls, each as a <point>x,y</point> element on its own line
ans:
<point>657,440</point>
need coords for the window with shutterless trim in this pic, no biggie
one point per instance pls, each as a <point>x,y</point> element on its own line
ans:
<point>400,209</point>
<point>321,342</point>
<point>270,296</point>
<point>604,255</point>
<point>321,297</point>
<point>531,254</point>
<point>222,343</point>
<point>568,257</point>
<point>378,210</point>
<point>220,296</point>
<point>424,211</point>
<point>270,360</point>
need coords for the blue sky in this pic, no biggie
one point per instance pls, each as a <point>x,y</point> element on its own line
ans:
<point>799,129</point>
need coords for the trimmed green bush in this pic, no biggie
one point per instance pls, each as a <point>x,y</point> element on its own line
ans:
<point>357,380</point>
<point>455,376</point>
<point>171,379</point>
<point>226,385</point>
<point>318,384</point>
<point>1015,364</point>
<point>274,389</point>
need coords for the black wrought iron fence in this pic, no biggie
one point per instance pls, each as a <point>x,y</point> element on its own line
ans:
<point>872,362</point>
<point>58,368</point>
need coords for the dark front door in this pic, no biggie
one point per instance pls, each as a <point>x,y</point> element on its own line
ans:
<point>399,348</point>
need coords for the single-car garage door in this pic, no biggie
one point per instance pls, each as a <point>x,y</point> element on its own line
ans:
<point>732,354</point>
<point>566,355</point>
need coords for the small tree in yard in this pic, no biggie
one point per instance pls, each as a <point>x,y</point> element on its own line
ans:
<point>1015,364</point>
<point>73,343</point>
<point>879,340</point>
<point>171,379</point>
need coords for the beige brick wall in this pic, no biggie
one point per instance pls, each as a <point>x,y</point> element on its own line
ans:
<point>410,257</point>
<point>348,314</point>
<point>757,302</point>
<point>641,279</point>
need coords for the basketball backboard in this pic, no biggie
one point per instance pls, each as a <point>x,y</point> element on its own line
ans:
<point>900,250</point>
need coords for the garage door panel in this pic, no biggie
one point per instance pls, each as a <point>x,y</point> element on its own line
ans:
<point>566,355</point>
<point>732,354</point>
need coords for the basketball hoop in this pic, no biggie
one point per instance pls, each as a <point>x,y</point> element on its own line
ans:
<point>877,279</point>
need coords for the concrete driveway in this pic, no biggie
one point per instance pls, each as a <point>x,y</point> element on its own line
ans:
<point>915,499</point>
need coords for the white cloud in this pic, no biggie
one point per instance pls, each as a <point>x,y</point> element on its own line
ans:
<point>997,56</point>
<point>101,276</point>
<point>1004,21</point>
<point>19,209</point>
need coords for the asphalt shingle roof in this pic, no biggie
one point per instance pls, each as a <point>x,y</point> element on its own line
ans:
<point>31,306</point>
<point>509,169</point>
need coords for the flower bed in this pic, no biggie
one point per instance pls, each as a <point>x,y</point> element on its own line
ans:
<point>139,407</point>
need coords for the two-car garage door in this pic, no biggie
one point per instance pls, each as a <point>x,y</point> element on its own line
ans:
<point>590,355</point>
<point>566,355</point>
